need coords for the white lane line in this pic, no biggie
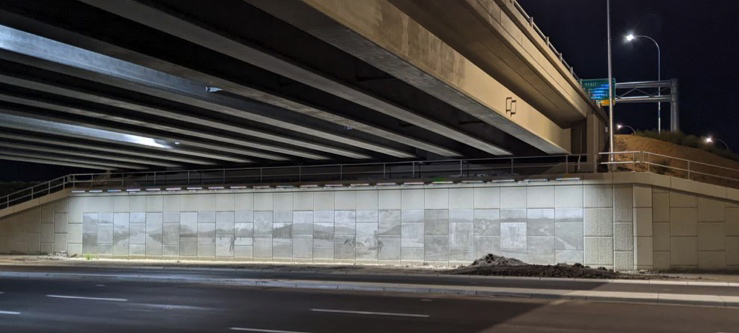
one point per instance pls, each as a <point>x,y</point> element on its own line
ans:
<point>244,329</point>
<point>373,313</point>
<point>89,298</point>
<point>9,313</point>
<point>172,306</point>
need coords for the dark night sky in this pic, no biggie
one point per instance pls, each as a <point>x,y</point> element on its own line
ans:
<point>699,47</point>
<point>32,172</point>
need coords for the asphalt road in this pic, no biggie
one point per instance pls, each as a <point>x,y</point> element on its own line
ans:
<point>455,280</point>
<point>89,306</point>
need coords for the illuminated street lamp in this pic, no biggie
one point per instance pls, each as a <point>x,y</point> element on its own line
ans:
<point>619,127</point>
<point>632,37</point>
<point>710,140</point>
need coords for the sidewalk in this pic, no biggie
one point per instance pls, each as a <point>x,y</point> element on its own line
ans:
<point>415,281</point>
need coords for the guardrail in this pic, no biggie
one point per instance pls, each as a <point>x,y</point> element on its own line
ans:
<point>642,161</point>
<point>362,172</point>
<point>541,34</point>
<point>35,191</point>
<point>376,173</point>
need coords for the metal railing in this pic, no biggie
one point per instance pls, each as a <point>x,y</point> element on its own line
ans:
<point>361,172</point>
<point>397,172</point>
<point>544,37</point>
<point>642,161</point>
<point>35,192</point>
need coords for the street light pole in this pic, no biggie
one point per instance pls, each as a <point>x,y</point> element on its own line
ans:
<point>659,75</point>
<point>610,85</point>
<point>725,144</point>
<point>710,140</point>
<point>626,126</point>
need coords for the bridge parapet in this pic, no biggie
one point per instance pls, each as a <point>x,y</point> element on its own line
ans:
<point>502,39</point>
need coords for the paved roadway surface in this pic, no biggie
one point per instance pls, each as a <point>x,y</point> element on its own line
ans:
<point>411,279</point>
<point>89,306</point>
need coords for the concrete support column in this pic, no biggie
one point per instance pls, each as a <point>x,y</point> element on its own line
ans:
<point>598,225</point>
<point>596,137</point>
<point>643,230</point>
<point>623,227</point>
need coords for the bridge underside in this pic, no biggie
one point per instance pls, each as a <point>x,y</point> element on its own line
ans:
<point>179,84</point>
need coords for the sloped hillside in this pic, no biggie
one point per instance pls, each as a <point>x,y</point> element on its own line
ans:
<point>675,165</point>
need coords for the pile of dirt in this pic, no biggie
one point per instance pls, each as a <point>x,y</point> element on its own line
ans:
<point>501,266</point>
<point>493,260</point>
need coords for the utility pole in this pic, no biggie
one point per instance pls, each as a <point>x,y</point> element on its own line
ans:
<point>610,85</point>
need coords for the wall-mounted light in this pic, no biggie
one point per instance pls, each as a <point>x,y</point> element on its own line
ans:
<point>569,179</point>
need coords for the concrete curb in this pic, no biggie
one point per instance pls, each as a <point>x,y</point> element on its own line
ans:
<point>436,275</point>
<point>587,295</point>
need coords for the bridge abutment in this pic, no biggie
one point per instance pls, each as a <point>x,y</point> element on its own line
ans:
<point>622,221</point>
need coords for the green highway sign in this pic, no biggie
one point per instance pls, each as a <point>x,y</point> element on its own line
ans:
<point>598,89</point>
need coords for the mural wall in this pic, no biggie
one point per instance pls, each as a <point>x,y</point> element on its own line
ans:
<point>622,226</point>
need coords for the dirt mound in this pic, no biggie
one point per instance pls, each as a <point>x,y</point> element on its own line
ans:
<point>493,260</point>
<point>496,265</point>
<point>557,271</point>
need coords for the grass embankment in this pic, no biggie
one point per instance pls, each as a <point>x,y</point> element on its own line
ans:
<point>704,160</point>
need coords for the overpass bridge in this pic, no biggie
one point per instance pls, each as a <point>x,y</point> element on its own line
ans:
<point>372,131</point>
<point>172,84</point>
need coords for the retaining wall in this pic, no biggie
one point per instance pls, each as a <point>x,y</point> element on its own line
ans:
<point>613,221</point>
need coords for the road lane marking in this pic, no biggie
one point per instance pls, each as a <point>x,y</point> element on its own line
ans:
<point>244,329</point>
<point>172,306</point>
<point>9,313</point>
<point>89,298</point>
<point>373,313</point>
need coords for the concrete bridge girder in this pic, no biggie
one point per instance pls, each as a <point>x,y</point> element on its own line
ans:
<point>498,38</point>
<point>240,50</point>
<point>382,35</point>
<point>239,88</point>
<point>133,106</point>
<point>76,164</point>
<point>123,150</point>
<point>43,53</point>
<point>70,152</point>
<point>57,126</point>
<point>4,151</point>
